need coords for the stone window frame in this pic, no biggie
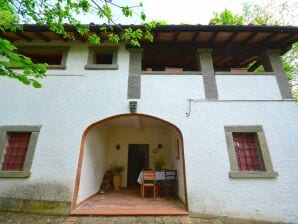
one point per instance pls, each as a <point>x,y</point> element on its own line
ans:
<point>26,172</point>
<point>91,57</point>
<point>52,49</point>
<point>262,148</point>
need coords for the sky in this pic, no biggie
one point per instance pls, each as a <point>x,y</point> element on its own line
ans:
<point>185,11</point>
<point>190,11</point>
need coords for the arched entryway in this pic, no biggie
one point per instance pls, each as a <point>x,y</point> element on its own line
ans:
<point>118,139</point>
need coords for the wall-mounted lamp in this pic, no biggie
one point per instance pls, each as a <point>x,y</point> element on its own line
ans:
<point>117,147</point>
<point>133,106</point>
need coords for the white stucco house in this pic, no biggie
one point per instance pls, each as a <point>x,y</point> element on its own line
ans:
<point>232,135</point>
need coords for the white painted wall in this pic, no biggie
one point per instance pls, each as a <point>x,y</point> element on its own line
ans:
<point>177,164</point>
<point>100,152</point>
<point>210,190</point>
<point>247,87</point>
<point>67,104</point>
<point>174,86</point>
<point>94,162</point>
<point>126,136</point>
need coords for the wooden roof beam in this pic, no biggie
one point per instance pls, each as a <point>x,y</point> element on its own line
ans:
<point>271,36</point>
<point>78,36</point>
<point>231,38</point>
<point>212,38</point>
<point>285,39</point>
<point>236,61</point>
<point>175,37</point>
<point>195,36</point>
<point>61,37</point>
<point>2,35</point>
<point>23,36</point>
<point>249,38</point>
<point>42,36</point>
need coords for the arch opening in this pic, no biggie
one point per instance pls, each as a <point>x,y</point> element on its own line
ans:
<point>128,140</point>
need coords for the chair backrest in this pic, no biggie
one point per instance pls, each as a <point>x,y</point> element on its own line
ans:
<point>171,174</point>
<point>148,175</point>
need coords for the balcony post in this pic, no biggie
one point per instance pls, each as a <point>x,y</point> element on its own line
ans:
<point>205,64</point>
<point>272,63</point>
<point>135,70</point>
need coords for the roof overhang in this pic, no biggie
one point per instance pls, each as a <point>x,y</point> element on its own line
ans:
<point>231,44</point>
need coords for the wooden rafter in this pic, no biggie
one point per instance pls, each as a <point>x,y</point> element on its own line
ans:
<point>226,60</point>
<point>23,36</point>
<point>235,61</point>
<point>60,37</point>
<point>195,36</point>
<point>249,38</point>
<point>231,38</point>
<point>271,36</point>
<point>78,36</point>
<point>42,36</point>
<point>2,35</point>
<point>212,38</point>
<point>285,39</point>
<point>175,37</point>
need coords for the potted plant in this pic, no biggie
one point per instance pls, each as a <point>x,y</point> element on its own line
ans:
<point>117,177</point>
<point>159,162</point>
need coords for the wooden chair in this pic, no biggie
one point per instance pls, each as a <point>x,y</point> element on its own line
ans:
<point>148,181</point>
<point>170,183</point>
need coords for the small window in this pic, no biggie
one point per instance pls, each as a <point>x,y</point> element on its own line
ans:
<point>16,151</point>
<point>50,59</point>
<point>17,147</point>
<point>248,152</point>
<point>55,57</point>
<point>102,58</point>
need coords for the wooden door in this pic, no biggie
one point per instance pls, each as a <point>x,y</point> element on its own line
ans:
<point>138,159</point>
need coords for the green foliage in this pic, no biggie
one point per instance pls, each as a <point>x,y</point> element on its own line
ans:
<point>226,17</point>
<point>116,169</point>
<point>295,95</point>
<point>55,14</point>
<point>159,162</point>
<point>31,71</point>
<point>275,13</point>
<point>272,12</point>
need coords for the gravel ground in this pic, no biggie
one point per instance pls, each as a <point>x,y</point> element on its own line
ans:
<point>20,218</point>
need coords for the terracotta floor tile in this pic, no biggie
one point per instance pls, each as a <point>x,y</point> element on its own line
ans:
<point>128,202</point>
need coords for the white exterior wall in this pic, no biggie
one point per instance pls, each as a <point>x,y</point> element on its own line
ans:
<point>127,136</point>
<point>94,162</point>
<point>66,105</point>
<point>247,87</point>
<point>177,164</point>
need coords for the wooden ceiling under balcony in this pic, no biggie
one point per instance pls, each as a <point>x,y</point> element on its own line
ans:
<point>175,45</point>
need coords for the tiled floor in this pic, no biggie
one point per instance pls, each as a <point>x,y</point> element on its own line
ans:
<point>128,202</point>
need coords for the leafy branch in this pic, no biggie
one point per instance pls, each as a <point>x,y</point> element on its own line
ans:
<point>55,14</point>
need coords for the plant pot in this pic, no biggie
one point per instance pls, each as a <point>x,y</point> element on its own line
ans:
<point>236,70</point>
<point>117,182</point>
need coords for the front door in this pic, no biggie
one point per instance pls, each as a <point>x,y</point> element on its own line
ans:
<point>138,159</point>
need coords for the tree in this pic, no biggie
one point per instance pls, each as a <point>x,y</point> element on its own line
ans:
<point>226,17</point>
<point>271,13</point>
<point>55,14</point>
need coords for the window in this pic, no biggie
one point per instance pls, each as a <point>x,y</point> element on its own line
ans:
<point>248,152</point>
<point>16,150</point>
<point>104,57</point>
<point>17,146</point>
<point>55,57</point>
